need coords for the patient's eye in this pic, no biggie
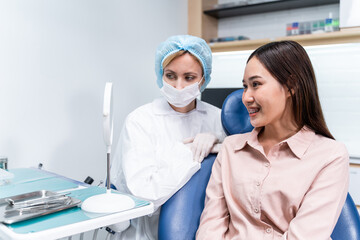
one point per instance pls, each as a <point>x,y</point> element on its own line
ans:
<point>255,84</point>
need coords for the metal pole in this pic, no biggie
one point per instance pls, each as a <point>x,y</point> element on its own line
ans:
<point>108,171</point>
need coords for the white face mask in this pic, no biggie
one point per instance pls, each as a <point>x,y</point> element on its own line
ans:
<point>180,98</point>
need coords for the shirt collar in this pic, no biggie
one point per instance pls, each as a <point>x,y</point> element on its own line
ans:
<point>301,141</point>
<point>162,107</point>
<point>249,138</point>
<point>298,143</point>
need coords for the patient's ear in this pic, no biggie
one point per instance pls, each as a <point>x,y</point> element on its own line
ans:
<point>291,91</point>
<point>290,84</point>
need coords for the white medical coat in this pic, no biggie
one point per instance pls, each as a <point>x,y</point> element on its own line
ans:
<point>151,161</point>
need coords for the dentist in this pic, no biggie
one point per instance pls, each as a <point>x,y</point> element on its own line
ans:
<point>162,143</point>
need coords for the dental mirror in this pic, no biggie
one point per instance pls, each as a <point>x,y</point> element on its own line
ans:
<point>108,202</point>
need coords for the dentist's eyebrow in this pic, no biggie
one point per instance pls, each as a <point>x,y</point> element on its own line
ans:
<point>190,73</point>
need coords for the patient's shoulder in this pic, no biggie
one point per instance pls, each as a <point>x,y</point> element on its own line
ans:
<point>237,140</point>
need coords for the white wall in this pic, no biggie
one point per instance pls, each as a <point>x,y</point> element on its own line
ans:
<point>55,57</point>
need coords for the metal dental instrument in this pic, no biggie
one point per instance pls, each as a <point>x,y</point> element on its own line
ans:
<point>35,201</point>
<point>41,202</point>
<point>31,209</point>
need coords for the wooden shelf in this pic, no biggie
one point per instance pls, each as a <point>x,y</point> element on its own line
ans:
<point>344,36</point>
<point>262,7</point>
<point>206,26</point>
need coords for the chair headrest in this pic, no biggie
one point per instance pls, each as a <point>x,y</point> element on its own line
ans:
<point>234,115</point>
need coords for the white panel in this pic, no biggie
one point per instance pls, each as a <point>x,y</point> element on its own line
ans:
<point>338,75</point>
<point>354,184</point>
<point>349,13</point>
<point>228,69</point>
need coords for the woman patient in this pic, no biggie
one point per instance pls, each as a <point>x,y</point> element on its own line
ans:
<point>288,178</point>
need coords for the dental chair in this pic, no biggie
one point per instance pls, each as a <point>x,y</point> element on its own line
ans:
<point>180,215</point>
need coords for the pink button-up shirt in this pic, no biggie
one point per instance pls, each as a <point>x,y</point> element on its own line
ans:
<point>297,191</point>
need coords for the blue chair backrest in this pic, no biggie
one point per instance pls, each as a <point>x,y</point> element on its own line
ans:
<point>348,224</point>
<point>180,215</point>
<point>234,115</point>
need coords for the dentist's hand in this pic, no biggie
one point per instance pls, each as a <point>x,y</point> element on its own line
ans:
<point>216,148</point>
<point>201,145</point>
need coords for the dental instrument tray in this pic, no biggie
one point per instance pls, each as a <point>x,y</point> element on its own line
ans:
<point>34,204</point>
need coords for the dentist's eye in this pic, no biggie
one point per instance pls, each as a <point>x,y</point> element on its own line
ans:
<point>170,76</point>
<point>189,78</point>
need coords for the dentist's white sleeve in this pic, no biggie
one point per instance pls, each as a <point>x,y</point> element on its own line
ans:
<point>148,169</point>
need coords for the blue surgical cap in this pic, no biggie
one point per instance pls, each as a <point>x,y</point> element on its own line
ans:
<point>196,46</point>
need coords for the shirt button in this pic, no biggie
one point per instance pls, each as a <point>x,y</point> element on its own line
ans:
<point>268,230</point>
<point>267,164</point>
<point>256,210</point>
<point>258,183</point>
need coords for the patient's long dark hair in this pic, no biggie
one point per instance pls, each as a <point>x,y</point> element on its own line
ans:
<point>290,65</point>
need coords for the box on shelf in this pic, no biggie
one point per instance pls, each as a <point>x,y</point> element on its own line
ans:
<point>318,26</point>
